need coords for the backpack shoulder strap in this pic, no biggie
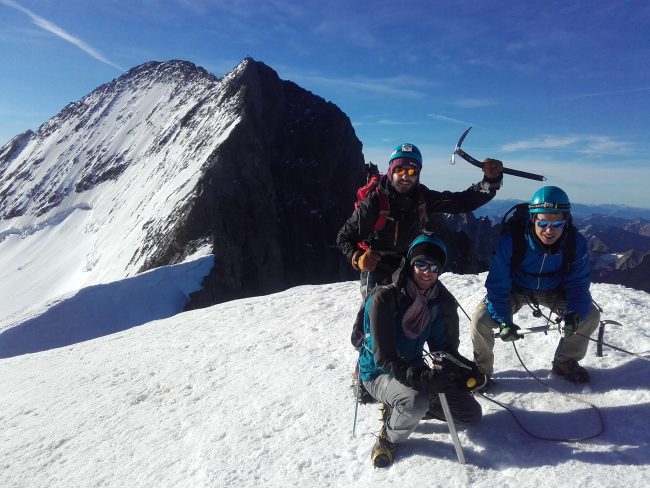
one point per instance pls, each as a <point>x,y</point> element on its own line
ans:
<point>518,247</point>
<point>517,226</point>
<point>384,209</point>
<point>569,251</point>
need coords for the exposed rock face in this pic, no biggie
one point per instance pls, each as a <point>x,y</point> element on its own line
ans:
<point>275,192</point>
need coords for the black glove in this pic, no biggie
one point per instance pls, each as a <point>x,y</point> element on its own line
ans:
<point>493,171</point>
<point>465,378</point>
<point>509,332</point>
<point>426,379</point>
<point>435,381</point>
<point>468,379</point>
<point>571,321</point>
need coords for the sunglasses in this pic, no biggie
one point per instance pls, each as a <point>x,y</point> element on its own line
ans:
<point>424,266</point>
<point>543,224</point>
<point>401,170</point>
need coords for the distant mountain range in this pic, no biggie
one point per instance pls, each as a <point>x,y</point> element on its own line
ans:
<point>618,237</point>
<point>497,208</point>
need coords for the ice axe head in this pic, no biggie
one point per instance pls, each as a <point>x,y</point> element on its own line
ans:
<point>458,144</point>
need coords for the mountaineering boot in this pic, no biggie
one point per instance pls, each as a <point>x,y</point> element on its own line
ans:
<point>383,450</point>
<point>571,370</point>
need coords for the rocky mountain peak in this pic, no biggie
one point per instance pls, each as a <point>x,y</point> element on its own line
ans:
<point>172,161</point>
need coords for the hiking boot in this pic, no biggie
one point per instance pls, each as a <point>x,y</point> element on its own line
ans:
<point>383,451</point>
<point>571,370</point>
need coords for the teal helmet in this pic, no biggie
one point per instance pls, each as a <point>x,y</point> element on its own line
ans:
<point>427,246</point>
<point>549,199</point>
<point>407,150</point>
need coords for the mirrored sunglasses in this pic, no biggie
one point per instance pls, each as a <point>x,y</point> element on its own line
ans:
<point>424,266</point>
<point>543,224</point>
<point>401,170</point>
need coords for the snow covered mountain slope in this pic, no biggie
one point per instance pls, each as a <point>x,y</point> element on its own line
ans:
<point>94,177</point>
<point>168,160</point>
<point>254,393</point>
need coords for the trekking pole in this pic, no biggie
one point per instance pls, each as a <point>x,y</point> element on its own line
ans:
<point>356,404</point>
<point>452,428</point>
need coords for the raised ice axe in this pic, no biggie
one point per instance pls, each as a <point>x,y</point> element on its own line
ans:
<point>514,172</point>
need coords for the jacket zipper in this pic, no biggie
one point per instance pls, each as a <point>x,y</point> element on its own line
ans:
<point>539,277</point>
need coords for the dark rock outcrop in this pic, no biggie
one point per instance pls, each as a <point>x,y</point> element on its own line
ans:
<point>274,193</point>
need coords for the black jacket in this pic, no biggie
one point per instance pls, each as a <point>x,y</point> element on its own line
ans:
<point>403,224</point>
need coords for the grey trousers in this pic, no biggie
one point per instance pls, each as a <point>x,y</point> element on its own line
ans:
<point>570,348</point>
<point>410,406</point>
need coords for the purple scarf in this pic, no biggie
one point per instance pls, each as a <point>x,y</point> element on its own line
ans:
<point>416,316</point>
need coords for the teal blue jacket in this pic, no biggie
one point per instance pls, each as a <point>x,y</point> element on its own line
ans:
<point>386,349</point>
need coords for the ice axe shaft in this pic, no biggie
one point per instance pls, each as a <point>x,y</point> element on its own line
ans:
<point>509,171</point>
<point>530,330</point>
<point>452,428</point>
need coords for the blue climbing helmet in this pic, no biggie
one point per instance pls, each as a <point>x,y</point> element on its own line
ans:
<point>407,150</point>
<point>429,246</point>
<point>549,199</point>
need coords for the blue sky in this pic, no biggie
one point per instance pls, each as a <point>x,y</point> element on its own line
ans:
<point>560,88</point>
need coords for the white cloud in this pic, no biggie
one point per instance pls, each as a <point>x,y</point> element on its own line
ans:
<point>59,32</point>
<point>476,102</point>
<point>545,142</point>
<point>592,145</point>
<point>395,122</point>
<point>606,93</point>
<point>386,87</point>
<point>444,118</point>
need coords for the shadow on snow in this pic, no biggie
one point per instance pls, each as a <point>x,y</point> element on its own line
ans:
<point>104,309</point>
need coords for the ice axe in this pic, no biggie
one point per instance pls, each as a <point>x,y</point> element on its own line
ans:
<point>514,172</point>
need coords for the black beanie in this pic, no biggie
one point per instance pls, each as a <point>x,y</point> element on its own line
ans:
<point>427,251</point>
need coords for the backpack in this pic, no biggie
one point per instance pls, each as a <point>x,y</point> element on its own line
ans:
<point>373,178</point>
<point>517,225</point>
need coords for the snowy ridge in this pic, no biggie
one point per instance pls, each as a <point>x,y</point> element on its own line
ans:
<point>254,393</point>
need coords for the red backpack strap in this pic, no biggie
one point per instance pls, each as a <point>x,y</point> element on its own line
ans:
<point>384,210</point>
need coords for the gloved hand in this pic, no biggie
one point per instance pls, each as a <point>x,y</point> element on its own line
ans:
<point>368,260</point>
<point>435,381</point>
<point>571,321</point>
<point>469,379</point>
<point>493,171</point>
<point>466,378</point>
<point>508,332</point>
<point>426,379</point>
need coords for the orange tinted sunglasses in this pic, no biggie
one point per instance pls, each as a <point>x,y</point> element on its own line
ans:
<point>401,170</point>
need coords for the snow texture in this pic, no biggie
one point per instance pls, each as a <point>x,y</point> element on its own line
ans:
<point>255,393</point>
